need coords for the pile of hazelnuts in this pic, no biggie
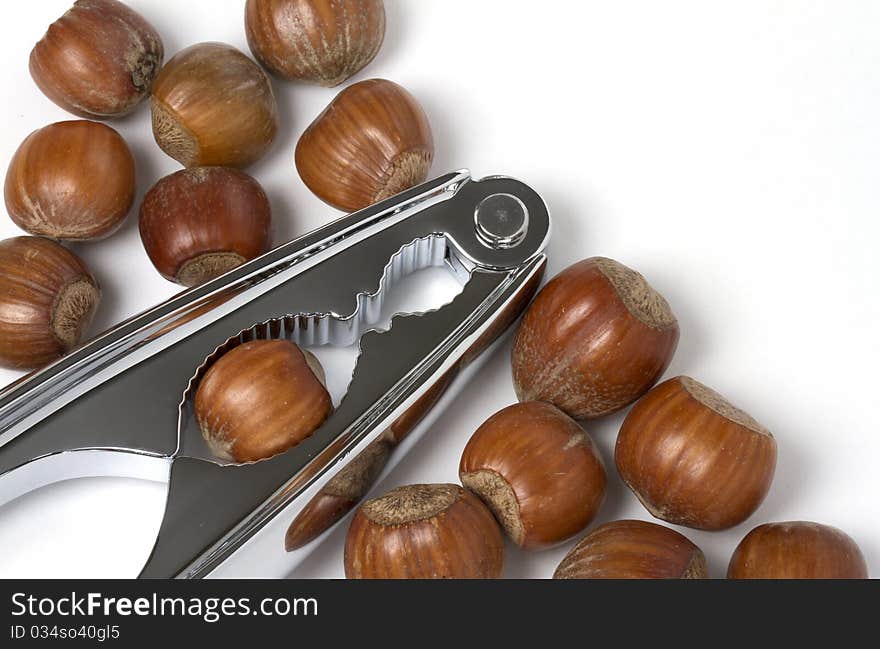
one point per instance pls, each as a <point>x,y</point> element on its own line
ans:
<point>214,111</point>
<point>596,339</point>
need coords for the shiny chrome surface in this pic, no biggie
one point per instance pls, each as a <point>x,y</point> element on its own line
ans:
<point>127,394</point>
<point>501,221</point>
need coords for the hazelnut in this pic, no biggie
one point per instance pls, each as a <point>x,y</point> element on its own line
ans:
<point>633,550</point>
<point>319,41</point>
<point>198,223</point>
<point>694,459</point>
<point>259,399</point>
<point>98,60</point>
<point>47,300</point>
<point>212,105</point>
<point>595,339</point>
<point>437,531</point>
<point>371,142</point>
<point>797,550</point>
<point>537,470</point>
<point>71,180</point>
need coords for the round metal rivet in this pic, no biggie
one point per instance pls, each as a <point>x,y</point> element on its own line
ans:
<point>501,221</point>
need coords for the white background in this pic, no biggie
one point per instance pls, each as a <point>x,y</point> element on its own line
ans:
<point>728,151</point>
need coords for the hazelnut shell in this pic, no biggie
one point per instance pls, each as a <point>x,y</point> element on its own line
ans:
<point>98,60</point>
<point>797,550</point>
<point>436,531</point>
<point>47,300</point>
<point>317,41</point>
<point>537,470</point>
<point>259,399</point>
<point>596,337</point>
<point>198,223</point>
<point>693,458</point>
<point>371,142</point>
<point>71,180</point>
<point>212,105</point>
<point>633,550</point>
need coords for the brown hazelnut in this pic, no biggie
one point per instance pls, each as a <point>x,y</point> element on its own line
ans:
<point>437,531</point>
<point>797,550</point>
<point>71,180</point>
<point>694,459</point>
<point>340,495</point>
<point>371,142</point>
<point>98,60</point>
<point>633,550</point>
<point>198,223</point>
<point>259,399</point>
<point>47,300</point>
<point>595,339</point>
<point>212,105</point>
<point>319,41</point>
<point>537,470</point>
